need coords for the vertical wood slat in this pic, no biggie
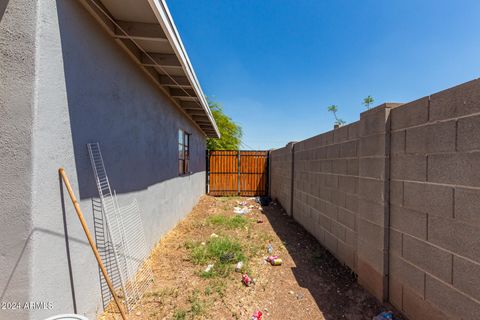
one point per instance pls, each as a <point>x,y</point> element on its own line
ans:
<point>234,172</point>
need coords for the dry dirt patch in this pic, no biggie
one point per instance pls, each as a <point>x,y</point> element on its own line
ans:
<point>310,284</point>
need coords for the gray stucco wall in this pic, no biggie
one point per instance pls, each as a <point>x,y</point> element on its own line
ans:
<point>17,54</point>
<point>86,90</point>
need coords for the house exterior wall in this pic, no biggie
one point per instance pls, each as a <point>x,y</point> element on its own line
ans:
<point>77,87</point>
<point>395,197</point>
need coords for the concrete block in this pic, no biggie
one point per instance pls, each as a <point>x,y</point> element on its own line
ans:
<point>333,151</point>
<point>325,194</point>
<point>429,258</point>
<point>458,237</point>
<point>340,134</point>
<point>370,234</point>
<point>416,307</point>
<point>328,138</point>
<point>331,210</point>
<point>346,254</point>
<point>466,277</point>
<point>467,204</point>
<point>433,138</point>
<point>370,279</point>
<point>348,184</point>
<point>396,242</point>
<point>455,168</point>
<point>468,134</point>
<point>409,221</point>
<point>373,122</point>
<point>373,145</point>
<point>395,293</point>
<point>372,167</point>
<point>396,192</point>
<point>352,167</point>
<point>371,189</point>
<point>410,114</point>
<point>351,238</point>
<point>409,167</point>
<point>371,211</point>
<point>339,166</point>
<point>325,222</point>
<point>453,303</point>
<point>339,231</point>
<point>370,269</point>
<point>457,101</point>
<point>331,243</point>
<point>339,198</point>
<point>348,149</point>
<point>319,234</point>
<point>353,130</point>
<point>326,166</point>
<point>407,274</point>
<point>429,198</point>
<point>347,218</point>
<point>351,202</point>
<point>397,142</point>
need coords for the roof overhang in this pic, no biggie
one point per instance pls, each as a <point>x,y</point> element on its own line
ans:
<point>145,29</point>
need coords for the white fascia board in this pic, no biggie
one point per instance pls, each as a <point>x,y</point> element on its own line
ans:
<point>165,19</point>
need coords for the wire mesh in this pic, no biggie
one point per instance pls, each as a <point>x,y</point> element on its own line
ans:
<point>125,228</point>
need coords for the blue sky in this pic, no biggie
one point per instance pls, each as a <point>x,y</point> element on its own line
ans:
<point>276,65</point>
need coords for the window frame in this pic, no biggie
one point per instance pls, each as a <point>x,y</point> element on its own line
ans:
<point>183,140</point>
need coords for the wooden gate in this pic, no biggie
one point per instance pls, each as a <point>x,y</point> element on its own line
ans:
<point>232,172</point>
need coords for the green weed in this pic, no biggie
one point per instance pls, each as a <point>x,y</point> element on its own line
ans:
<point>232,222</point>
<point>223,252</point>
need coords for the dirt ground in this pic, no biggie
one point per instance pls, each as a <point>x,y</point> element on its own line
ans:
<point>310,284</point>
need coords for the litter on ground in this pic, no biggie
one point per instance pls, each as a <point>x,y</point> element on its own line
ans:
<point>194,269</point>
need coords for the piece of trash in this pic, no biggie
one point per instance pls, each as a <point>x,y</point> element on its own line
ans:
<point>290,292</point>
<point>247,280</point>
<point>259,221</point>
<point>203,243</point>
<point>270,248</point>
<point>257,315</point>
<point>386,315</point>
<point>243,203</point>
<point>276,262</point>
<point>213,235</point>
<point>239,266</point>
<point>263,201</point>
<point>239,210</point>
<point>209,268</point>
<point>271,258</point>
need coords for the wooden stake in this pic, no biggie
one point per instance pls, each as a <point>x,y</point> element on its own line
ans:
<point>62,173</point>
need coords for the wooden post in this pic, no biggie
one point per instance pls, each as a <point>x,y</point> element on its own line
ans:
<point>64,177</point>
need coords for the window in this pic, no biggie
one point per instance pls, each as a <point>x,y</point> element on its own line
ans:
<point>183,151</point>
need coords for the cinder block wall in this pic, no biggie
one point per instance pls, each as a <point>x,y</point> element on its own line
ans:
<point>325,186</point>
<point>435,205</point>
<point>281,189</point>
<point>396,197</point>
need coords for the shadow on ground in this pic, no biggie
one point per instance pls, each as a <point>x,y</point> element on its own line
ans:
<point>333,285</point>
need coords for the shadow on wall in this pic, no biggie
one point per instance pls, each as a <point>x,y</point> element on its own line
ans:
<point>111,101</point>
<point>332,285</point>
<point>3,7</point>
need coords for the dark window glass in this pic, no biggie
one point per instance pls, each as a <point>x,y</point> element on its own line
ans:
<point>183,151</point>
